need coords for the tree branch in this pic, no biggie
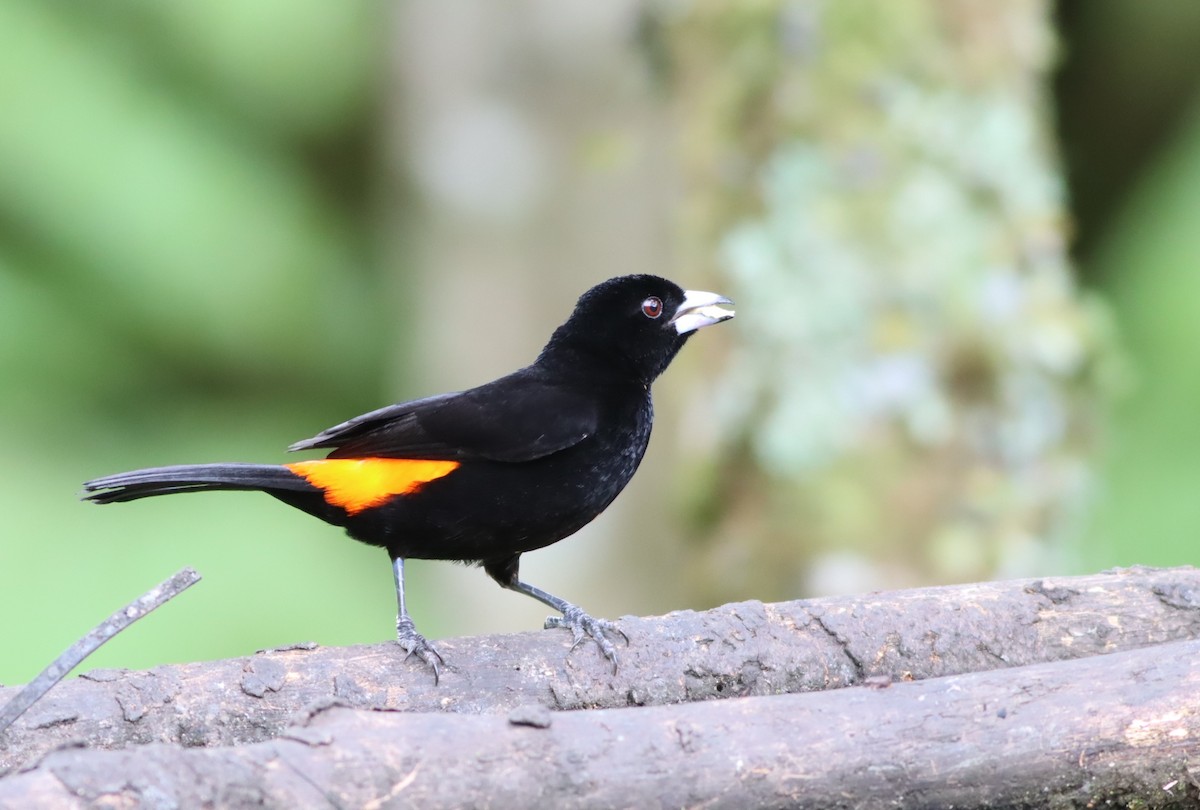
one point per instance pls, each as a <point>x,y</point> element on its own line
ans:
<point>74,655</point>
<point>737,650</point>
<point>1115,729</point>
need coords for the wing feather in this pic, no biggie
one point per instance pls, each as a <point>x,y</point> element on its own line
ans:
<point>520,417</point>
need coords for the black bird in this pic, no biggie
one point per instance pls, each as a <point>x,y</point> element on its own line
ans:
<point>483,475</point>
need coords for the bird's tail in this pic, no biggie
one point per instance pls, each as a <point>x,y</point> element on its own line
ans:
<point>129,486</point>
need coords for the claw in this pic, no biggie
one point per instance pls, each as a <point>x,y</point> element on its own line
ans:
<point>416,644</point>
<point>583,627</point>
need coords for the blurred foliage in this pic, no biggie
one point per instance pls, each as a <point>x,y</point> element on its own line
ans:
<point>160,215</point>
<point>1148,511</point>
<point>1129,113</point>
<point>1125,83</point>
<point>181,278</point>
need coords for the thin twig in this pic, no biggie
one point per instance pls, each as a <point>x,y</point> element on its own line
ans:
<point>87,645</point>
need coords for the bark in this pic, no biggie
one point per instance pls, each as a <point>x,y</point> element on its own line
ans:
<point>877,185</point>
<point>1120,729</point>
<point>744,649</point>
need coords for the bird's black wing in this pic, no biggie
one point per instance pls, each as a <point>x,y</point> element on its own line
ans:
<point>516,418</point>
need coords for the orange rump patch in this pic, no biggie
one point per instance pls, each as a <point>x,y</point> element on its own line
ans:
<point>356,484</point>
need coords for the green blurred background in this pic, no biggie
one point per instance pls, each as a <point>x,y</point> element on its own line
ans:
<point>226,226</point>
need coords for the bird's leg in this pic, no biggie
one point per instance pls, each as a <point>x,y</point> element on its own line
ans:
<point>581,625</point>
<point>574,619</point>
<point>406,632</point>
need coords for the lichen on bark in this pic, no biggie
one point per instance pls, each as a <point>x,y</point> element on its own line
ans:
<point>913,397</point>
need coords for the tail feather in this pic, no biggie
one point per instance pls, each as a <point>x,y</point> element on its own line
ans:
<point>130,486</point>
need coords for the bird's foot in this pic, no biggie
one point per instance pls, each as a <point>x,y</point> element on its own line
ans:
<point>583,626</point>
<point>416,644</point>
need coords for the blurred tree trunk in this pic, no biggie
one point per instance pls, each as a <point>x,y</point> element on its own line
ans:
<point>539,155</point>
<point>912,396</point>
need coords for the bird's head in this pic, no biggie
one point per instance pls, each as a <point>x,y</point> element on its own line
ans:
<point>638,321</point>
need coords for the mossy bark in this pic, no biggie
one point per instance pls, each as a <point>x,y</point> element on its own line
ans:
<point>912,398</point>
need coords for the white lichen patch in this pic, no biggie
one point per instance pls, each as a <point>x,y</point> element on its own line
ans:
<point>1154,730</point>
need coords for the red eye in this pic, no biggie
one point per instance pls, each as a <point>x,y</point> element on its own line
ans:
<point>652,307</point>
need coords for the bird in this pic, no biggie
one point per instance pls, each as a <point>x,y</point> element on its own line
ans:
<point>483,475</point>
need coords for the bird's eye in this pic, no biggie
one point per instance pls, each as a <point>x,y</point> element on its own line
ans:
<point>652,307</point>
